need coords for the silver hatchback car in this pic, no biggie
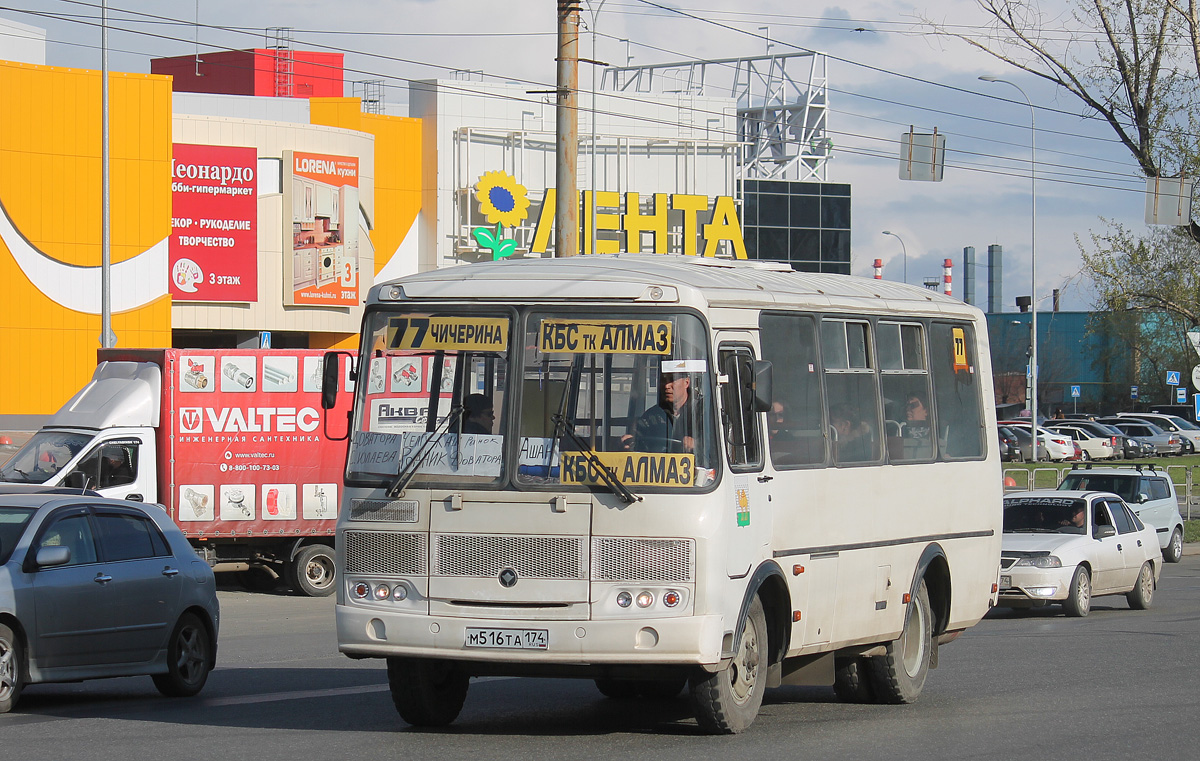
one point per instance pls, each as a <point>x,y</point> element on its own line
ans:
<point>93,587</point>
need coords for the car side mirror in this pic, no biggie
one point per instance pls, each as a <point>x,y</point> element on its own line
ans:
<point>1143,498</point>
<point>48,557</point>
<point>1103,532</point>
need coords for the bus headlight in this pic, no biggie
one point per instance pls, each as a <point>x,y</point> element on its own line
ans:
<point>360,590</point>
<point>645,600</point>
<point>400,592</point>
<point>624,599</point>
<point>671,598</point>
<point>382,592</point>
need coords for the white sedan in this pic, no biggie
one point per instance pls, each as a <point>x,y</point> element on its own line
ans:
<point>1071,546</point>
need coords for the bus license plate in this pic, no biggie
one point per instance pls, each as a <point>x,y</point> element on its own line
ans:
<point>509,639</point>
<point>1005,582</point>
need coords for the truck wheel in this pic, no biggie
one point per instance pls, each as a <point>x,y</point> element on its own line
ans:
<point>257,579</point>
<point>314,571</point>
<point>427,692</point>
<point>728,701</point>
<point>898,675</point>
<point>1173,552</point>
<point>189,657</point>
<point>12,668</point>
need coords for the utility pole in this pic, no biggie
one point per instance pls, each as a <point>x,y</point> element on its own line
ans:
<point>566,212</point>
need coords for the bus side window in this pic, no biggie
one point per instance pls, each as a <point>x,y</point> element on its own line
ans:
<point>958,411</point>
<point>794,424</point>
<point>853,393</point>
<point>904,378</point>
<point>738,418</point>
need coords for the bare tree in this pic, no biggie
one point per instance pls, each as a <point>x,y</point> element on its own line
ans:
<point>1154,272</point>
<point>1121,58</point>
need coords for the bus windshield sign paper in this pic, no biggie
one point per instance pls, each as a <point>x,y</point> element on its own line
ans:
<point>630,468</point>
<point>448,333</point>
<point>606,336</point>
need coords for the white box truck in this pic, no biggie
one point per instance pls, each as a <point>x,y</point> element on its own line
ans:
<point>232,442</point>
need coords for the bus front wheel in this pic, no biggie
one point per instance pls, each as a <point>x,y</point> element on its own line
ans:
<point>425,691</point>
<point>727,702</point>
<point>899,674</point>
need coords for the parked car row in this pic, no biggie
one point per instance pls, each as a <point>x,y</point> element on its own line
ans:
<point>1104,531</point>
<point>1127,435</point>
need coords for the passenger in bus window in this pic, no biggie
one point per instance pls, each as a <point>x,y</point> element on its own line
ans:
<point>916,416</point>
<point>478,414</point>
<point>777,420</point>
<point>853,435</point>
<point>668,425</point>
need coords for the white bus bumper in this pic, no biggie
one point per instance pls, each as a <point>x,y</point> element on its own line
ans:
<point>668,641</point>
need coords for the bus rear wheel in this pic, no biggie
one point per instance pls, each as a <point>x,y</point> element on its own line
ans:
<point>727,702</point>
<point>898,676</point>
<point>425,691</point>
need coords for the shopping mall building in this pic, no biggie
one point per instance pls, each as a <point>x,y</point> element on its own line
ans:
<point>251,202</point>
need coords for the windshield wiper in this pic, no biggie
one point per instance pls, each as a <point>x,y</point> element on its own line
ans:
<point>618,488</point>
<point>396,488</point>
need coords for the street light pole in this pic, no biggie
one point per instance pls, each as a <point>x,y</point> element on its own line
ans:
<point>903,249</point>
<point>1033,301</point>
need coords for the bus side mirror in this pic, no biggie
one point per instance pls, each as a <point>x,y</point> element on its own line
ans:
<point>330,369</point>
<point>762,385</point>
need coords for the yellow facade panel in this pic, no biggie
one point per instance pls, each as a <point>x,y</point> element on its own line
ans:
<point>50,185</point>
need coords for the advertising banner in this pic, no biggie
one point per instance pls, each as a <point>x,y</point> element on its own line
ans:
<point>214,223</point>
<point>321,232</point>
<point>251,453</point>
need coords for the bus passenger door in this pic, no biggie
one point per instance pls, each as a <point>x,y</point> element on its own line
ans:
<point>746,520</point>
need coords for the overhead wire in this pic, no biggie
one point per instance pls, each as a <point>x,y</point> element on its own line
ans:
<point>81,19</point>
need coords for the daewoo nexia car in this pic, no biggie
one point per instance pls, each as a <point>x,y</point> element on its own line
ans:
<point>1071,546</point>
<point>93,587</point>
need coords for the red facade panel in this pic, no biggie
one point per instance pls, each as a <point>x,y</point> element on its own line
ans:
<point>263,72</point>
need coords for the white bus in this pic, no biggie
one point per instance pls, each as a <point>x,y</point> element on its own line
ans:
<point>661,472</point>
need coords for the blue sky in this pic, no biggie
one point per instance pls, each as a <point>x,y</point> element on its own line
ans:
<point>885,74</point>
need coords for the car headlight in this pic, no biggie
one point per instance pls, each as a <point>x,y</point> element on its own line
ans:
<point>1041,561</point>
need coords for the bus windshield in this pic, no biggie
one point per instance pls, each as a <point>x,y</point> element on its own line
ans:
<point>431,398</point>
<point>630,393</point>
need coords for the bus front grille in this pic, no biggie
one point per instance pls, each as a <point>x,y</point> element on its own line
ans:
<point>391,510</point>
<point>626,559</point>
<point>532,557</point>
<point>385,552</point>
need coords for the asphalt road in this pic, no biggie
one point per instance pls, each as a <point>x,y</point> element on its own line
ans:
<point>1119,684</point>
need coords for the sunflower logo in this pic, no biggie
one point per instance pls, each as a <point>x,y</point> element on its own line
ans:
<point>502,200</point>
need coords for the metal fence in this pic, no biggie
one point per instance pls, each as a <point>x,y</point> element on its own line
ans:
<point>1187,484</point>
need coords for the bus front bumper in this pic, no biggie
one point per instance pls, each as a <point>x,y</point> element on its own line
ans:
<point>683,640</point>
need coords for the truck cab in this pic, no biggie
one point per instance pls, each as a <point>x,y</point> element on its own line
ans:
<point>103,439</point>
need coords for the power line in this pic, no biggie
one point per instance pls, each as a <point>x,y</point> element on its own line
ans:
<point>648,120</point>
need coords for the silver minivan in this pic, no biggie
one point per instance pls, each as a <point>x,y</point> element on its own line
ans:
<point>93,587</point>
<point>1185,429</point>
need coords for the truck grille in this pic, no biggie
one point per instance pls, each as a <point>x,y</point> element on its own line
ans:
<point>532,557</point>
<point>621,559</point>
<point>394,511</point>
<point>385,552</point>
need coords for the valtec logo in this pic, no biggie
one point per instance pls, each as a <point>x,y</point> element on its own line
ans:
<point>248,420</point>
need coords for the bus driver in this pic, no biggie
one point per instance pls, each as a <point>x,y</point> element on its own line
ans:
<point>668,425</point>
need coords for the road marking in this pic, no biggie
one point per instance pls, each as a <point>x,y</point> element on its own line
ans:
<point>271,697</point>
